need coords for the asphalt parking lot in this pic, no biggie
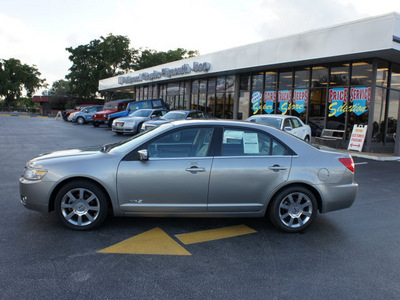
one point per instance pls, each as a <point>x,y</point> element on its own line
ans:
<point>348,254</point>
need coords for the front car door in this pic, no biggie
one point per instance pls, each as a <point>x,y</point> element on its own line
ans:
<point>251,165</point>
<point>175,178</point>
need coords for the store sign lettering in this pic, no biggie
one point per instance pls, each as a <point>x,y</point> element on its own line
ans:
<point>284,98</point>
<point>256,102</point>
<point>300,98</point>
<point>166,72</point>
<point>269,100</point>
<point>359,97</point>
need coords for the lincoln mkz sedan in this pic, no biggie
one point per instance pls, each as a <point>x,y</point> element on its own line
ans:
<point>193,168</point>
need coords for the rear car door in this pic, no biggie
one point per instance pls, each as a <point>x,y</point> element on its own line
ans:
<point>249,168</point>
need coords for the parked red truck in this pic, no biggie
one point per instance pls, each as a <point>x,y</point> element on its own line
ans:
<point>109,108</point>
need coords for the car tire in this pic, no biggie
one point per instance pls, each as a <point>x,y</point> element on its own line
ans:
<point>293,209</point>
<point>96,124</point>
<point>119,133</point>
<point>139,127</point>
<point>81,205</point>
<point>307,139</point>
<point>80,121</point>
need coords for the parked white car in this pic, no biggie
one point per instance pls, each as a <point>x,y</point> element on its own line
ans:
<point>290,124</point>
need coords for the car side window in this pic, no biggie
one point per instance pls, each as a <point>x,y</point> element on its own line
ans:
<point>193,142</point>
<point>146,104</point>
<point>239,142</point>
<point>134,106</point>
<point>287,123</point>
<point>157,103</point>
<point>296,123</point>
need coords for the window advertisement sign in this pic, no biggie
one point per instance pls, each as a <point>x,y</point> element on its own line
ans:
<point>284,98</point>
<point>256,101</point>
<point>269,101</point>
<point>338,101</point>
<point>300,99</point>
<point>360,97</point>
<point>357,138</point>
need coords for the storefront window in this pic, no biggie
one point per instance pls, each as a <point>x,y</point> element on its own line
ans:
<point>202,102</point>
<point>271,79</point>
<point>245,82</point>
<point>319,76</point>
<point>301,78</point>
<point>382,73</point>
<point>244,100</point>
<point>395,78</point>
<point>228,109</point>
<point>145,92</point>
<point>378,128</point>
<point>317,110</point>
<point>230,83</point>
<point>221,84</point>
<point>195,87</point>
<point>219,110</point>
<point>257,82</point>
<point>210,104</point>
<point>393,114</point>
<point>361,73</point>
<point>339,75</point>
<point>212,82</point>
<point>285,80</point>
<point>203,86</point>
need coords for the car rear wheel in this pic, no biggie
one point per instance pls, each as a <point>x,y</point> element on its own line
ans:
<point>80,121</point>
<point>81,205</point>
<point>307,139</point>
<point>293,209</point>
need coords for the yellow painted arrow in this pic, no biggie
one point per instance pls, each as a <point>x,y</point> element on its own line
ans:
<point>154,241</point>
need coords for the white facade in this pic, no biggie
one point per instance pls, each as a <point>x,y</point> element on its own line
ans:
<point>377,37</point>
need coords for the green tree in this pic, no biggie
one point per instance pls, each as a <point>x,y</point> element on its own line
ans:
<point>149,58</point>
<point>17,78</point>
<point>60,88</point>
<point>101,58</point>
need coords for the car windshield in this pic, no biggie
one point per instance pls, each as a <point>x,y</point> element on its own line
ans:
<point>274,122</point>
<point>174,116</point>
<point>141,113</point>
<point>111,106</point>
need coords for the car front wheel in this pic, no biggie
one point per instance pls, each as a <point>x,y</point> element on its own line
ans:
<point>81,205</point>
<point>293,209</point>
<point>80,121</point>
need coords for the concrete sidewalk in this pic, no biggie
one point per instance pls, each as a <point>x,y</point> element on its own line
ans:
<point>367,155</point>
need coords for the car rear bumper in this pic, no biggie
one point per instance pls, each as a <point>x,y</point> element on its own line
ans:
<point>337,197</point>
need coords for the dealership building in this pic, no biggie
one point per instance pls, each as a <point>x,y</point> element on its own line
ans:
<point>332,78</point>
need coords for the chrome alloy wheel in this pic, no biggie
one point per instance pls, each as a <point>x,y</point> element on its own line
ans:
<point>295,210</point>
<point>80,207</point>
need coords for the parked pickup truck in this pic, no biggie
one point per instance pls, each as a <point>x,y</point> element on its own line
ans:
<point>108,109</point>
<point>133,106</point>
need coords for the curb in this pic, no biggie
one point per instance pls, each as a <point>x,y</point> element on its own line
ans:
<point>24,116</point>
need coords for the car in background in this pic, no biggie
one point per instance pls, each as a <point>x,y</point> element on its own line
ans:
<point>66,113</point>
<point>108,109</point>
<point>133,106</point>
<point>290,124</point>
<point>175,115</point>
<point>192,168</point>
<point>134,121</point>
<point>86,114</point>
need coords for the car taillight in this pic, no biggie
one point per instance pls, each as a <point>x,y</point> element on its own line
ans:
<point>348,163</point>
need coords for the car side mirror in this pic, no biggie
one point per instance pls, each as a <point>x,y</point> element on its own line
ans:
<point>152,116</point>
<point>288,128</point>
<point>143,154</point>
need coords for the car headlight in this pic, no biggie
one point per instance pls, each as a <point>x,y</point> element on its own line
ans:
<point>34,174</point>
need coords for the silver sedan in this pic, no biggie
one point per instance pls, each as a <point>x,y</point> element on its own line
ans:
<point>191,169</point>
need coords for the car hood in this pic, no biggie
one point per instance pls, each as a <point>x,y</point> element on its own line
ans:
<point>66,154</point>
<point>132,119</point>
<point>159,122</point>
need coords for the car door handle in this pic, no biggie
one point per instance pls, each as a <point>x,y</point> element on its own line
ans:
<point>195,169</point>
<point>277,168</point>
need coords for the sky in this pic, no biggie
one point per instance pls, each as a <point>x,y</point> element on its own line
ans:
<point>37,32</point>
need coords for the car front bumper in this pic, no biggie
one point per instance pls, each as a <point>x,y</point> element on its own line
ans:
<point>35,194</point>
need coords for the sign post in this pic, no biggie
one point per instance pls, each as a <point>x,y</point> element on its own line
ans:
<point>357,138</point>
